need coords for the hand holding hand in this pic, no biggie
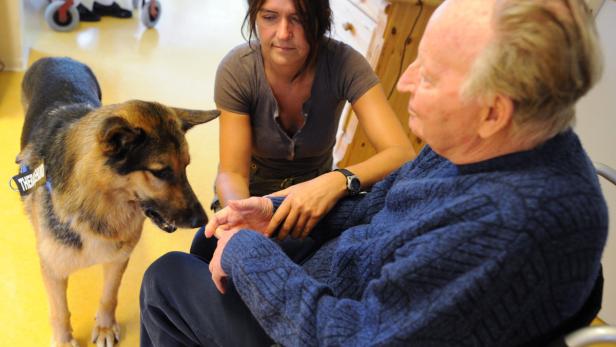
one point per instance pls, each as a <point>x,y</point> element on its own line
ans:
<point>253,213</point>
<point>305,204</point>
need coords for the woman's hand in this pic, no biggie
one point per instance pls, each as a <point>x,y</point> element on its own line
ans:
<point>253,213</point>
<point>305,204</point>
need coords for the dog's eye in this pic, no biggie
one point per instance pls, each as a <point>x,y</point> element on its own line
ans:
<point>165,174</point>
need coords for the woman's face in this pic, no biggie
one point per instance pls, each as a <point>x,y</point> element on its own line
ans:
<point>283,43</point>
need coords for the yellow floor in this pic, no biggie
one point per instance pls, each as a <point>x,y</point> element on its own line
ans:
<point>174,63</point>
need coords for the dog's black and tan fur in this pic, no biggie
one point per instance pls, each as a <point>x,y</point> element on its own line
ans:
<point>108,167</point>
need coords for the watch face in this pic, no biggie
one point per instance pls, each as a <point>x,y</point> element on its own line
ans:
<point>354,186</point>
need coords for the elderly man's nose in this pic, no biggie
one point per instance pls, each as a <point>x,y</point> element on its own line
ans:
<point>406,83</point>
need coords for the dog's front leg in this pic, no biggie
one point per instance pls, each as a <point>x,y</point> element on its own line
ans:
<point>107,331</point>
<point>60,317</point>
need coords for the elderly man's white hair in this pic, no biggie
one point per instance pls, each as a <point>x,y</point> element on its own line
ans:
<point>544,55</point>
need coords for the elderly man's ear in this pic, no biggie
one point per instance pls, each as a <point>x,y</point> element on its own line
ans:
<point>497,117</point>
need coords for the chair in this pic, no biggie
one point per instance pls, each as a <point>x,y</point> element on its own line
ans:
<point>594,334</point>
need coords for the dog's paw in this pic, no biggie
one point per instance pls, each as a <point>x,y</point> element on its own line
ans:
<point>106,336</point>
<point>71,343</point>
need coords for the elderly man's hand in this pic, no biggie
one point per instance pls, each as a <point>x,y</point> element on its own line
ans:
<point>253,213</point>
<point>219,276</point>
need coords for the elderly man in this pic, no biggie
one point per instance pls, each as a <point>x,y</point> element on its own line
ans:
<point>492,236</point>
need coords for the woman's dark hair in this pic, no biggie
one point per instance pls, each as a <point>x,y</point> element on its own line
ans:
<point>316,19</point>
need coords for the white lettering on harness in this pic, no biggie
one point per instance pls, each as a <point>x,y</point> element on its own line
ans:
<point>29,181</point>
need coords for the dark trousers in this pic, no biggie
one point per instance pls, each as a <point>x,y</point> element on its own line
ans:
<point>180,305</point>
<point>297,250</point>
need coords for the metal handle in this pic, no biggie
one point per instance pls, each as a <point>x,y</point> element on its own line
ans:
<point>591,335</point>
<point>606,172</point>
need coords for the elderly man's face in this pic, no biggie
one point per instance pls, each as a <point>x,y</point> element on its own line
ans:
<point>437,112</point>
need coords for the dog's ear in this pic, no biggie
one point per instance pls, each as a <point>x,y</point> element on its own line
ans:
<point>116,136</point>
<point>190,118</point>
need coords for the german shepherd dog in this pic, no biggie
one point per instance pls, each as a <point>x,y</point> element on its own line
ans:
<point>103,170</point>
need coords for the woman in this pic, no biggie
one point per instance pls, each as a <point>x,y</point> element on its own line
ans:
<point>280,99</point>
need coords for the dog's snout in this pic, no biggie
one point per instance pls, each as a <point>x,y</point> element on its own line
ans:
<point>199,221</point>
<point>198,217</point>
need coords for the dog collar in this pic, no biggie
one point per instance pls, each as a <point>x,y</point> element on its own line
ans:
<point>26,181</point>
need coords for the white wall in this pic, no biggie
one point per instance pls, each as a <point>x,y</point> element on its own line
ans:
<point>12,50</point>
<point>596,126</point>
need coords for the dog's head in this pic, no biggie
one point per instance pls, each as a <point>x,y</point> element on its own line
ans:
<point>144,143</point>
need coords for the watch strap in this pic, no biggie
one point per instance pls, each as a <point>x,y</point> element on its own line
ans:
<point>345,172</point>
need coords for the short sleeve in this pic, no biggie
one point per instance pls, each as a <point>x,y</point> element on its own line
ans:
<point>232,87</point>
<point>356,75</point>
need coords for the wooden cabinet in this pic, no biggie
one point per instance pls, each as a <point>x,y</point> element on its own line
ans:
<point>352,25</point>
<point>387,32</point>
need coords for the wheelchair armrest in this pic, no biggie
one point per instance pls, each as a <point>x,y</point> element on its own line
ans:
<point>591,335</point>
<point>606,172</point>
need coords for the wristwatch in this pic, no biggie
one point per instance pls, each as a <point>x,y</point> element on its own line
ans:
<point>353,184</point>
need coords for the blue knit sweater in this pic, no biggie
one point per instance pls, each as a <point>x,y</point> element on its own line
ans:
<point>493,253</point>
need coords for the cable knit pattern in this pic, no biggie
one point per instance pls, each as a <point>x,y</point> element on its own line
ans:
<point>493,254</point>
